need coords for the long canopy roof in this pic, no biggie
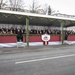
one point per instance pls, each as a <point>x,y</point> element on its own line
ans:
<point>15,17</point>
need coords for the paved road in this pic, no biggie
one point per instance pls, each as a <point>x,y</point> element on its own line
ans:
<point>57,60</point>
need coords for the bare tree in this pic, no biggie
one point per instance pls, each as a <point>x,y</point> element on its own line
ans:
<point>16,5</point>
<point>34,6</point>
<point>45,8</point>
<point>50,11</point>
<point>2,3</point>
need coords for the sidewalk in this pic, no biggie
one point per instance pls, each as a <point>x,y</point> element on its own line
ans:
<point>30,48</point>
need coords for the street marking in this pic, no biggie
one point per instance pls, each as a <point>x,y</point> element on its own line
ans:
<point>44,59</point>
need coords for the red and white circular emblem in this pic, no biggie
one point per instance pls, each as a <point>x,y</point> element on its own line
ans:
<point>45,37</point>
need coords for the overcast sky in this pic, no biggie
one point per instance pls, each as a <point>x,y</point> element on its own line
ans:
<point>64,6</point>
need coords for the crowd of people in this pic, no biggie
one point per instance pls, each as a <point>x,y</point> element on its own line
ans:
<point>21,31</point>
<point>34,31</point>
